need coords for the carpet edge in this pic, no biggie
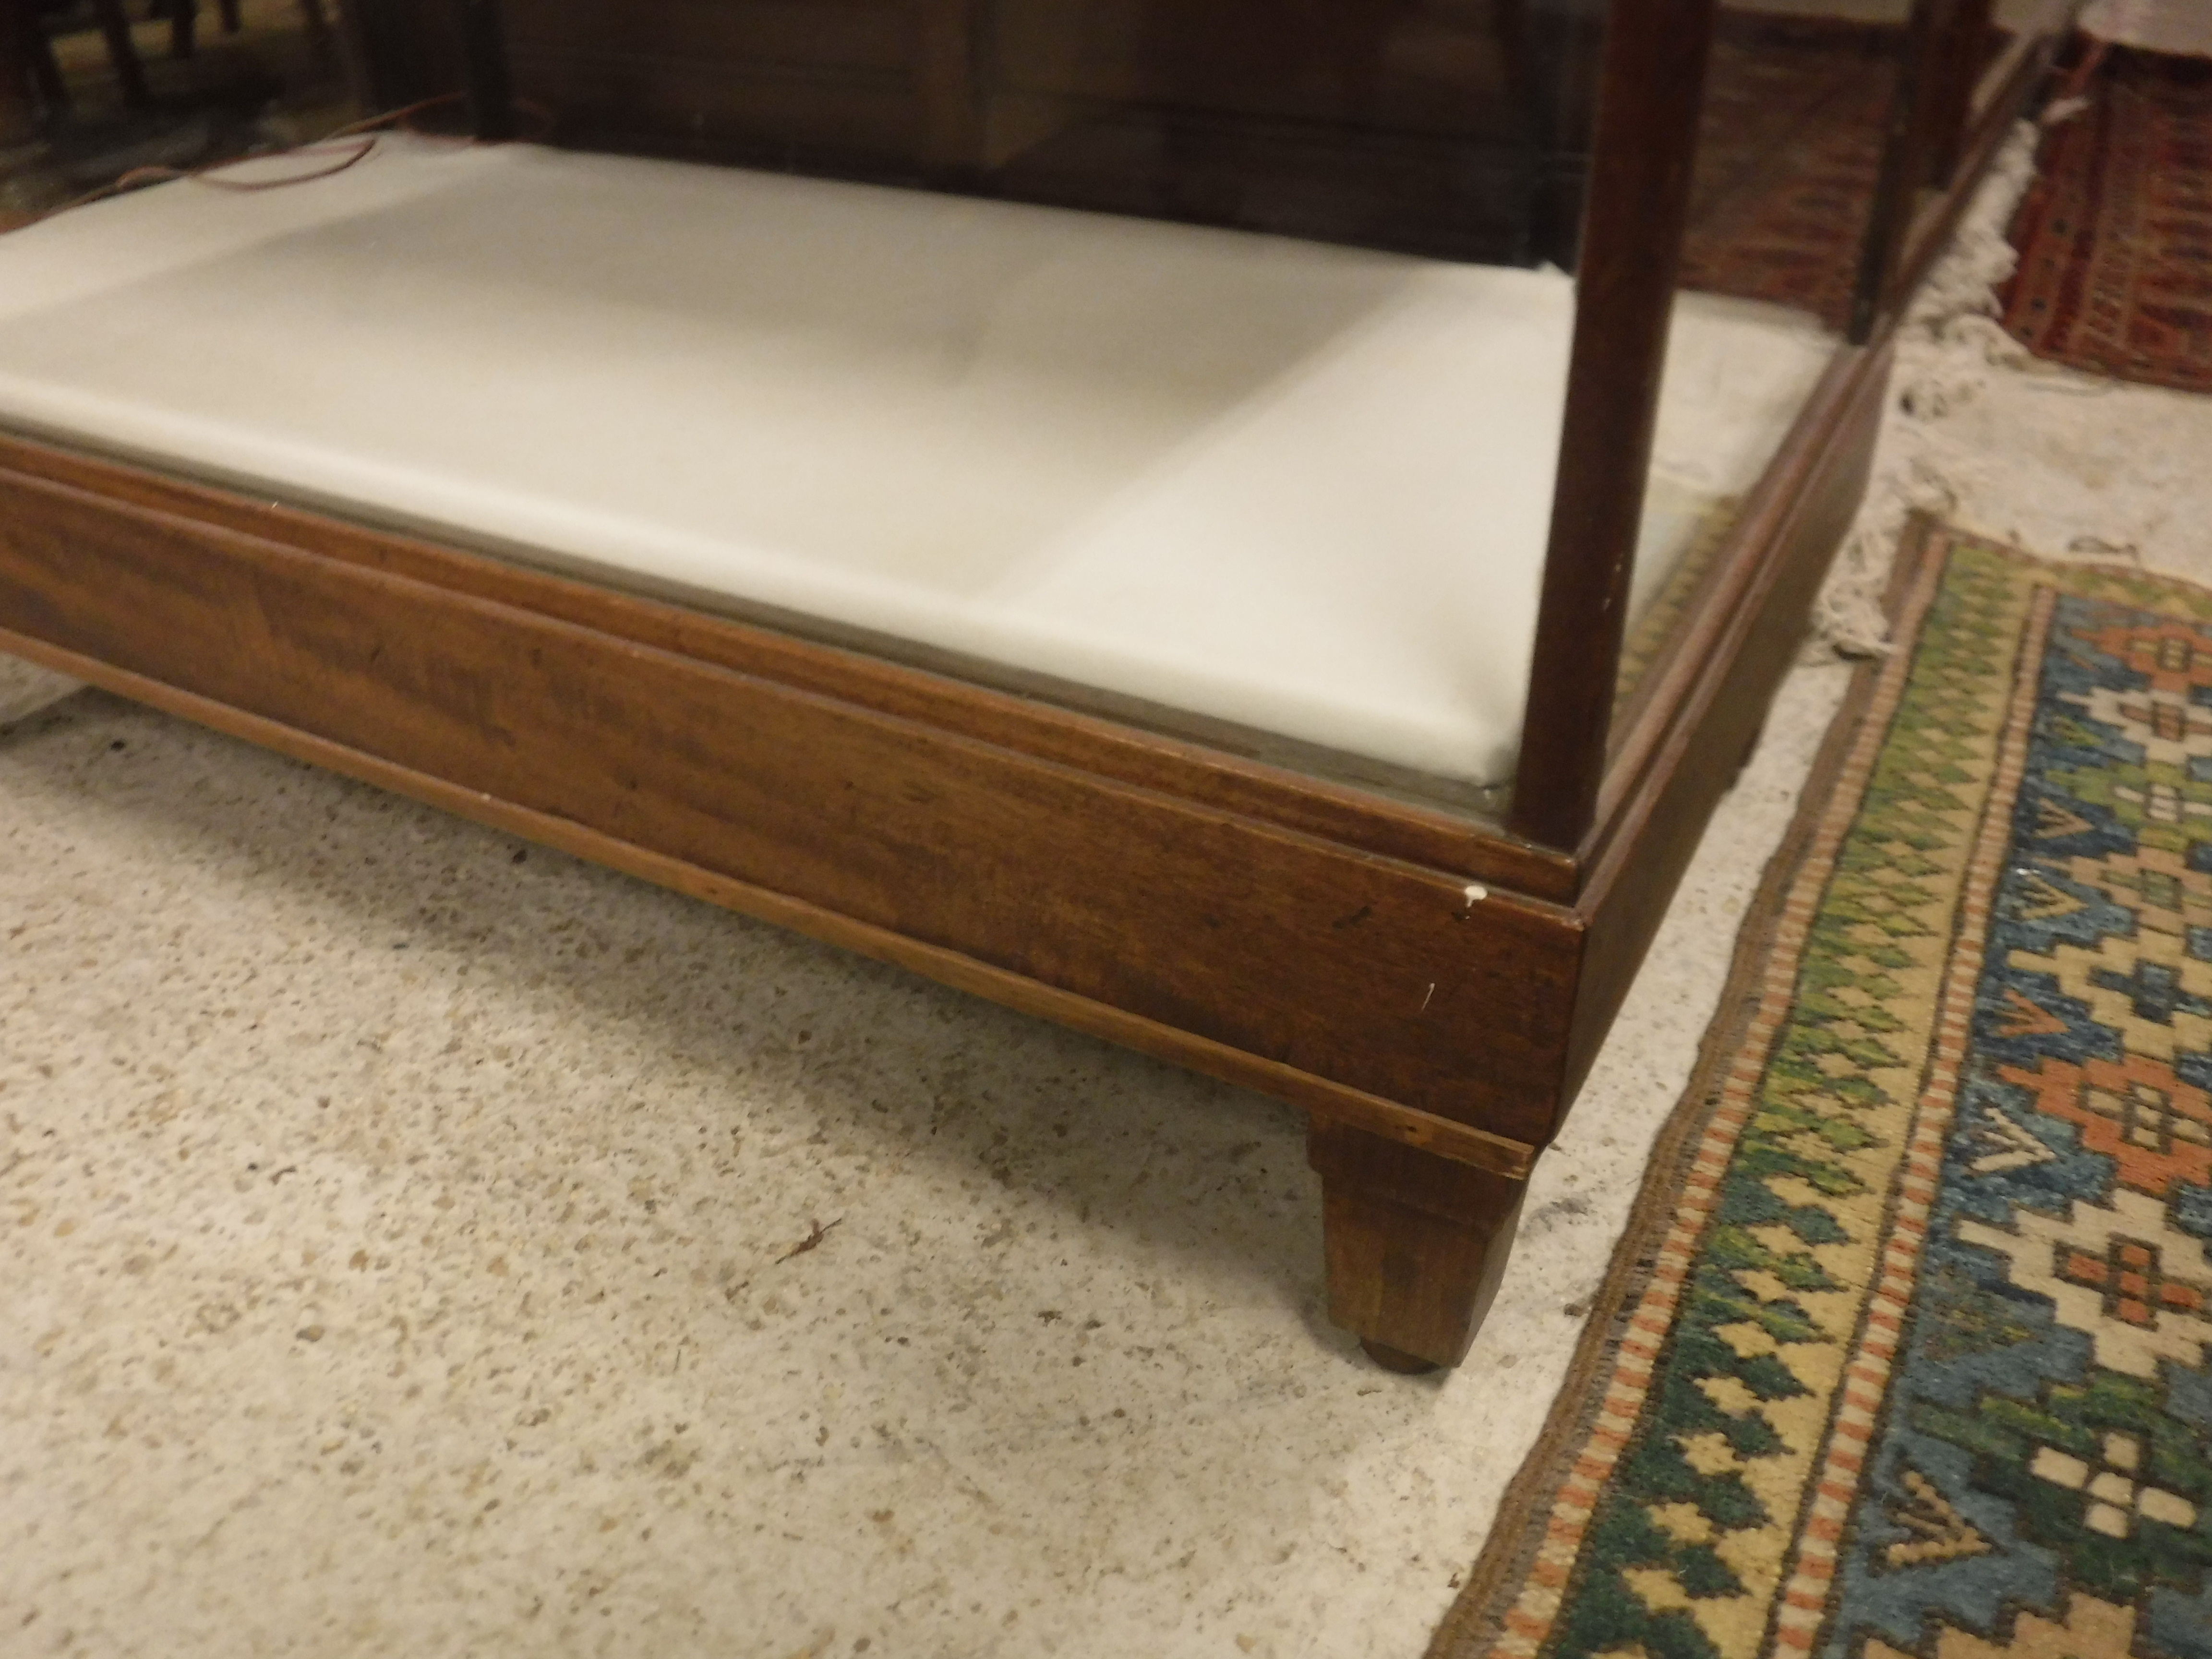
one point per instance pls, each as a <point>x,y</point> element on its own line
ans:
<point>1477,1612</point>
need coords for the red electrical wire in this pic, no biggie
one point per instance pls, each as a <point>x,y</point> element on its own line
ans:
<point>365,131</point>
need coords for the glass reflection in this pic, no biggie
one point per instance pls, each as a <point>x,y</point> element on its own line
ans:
<point>1289,493</point>
<point>1436,126</point>
<point>90,90</point>
<point>1332,564</point>
<point>1789,150</point>
<point>1797,103</point>
<point>1453,128</point>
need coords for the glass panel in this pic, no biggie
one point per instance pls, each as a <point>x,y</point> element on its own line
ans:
<point>1455,128</point>
<point>1334,495</point>
<point>1285,494</point>
<point>1798,99</point>
<point>1422,124</point>
<point>2014,22</point>
<point>107,86</point>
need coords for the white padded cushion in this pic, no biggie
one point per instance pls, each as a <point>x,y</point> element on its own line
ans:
<point>1304,489</point>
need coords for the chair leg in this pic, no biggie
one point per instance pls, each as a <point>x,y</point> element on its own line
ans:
<point>45,69</point>
<point>312,14</point>
<point>231,23</point>
<point>122,52</point>
<point>184,19</point>
<point>19,71</point>
<point>1416,1244</point>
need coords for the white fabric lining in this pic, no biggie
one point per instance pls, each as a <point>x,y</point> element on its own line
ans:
<point>1301,489</point>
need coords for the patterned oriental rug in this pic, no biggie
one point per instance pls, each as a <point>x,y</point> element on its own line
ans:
<point>1789,150</point>
<point>2115,238</point>
<point>1908,1349</point>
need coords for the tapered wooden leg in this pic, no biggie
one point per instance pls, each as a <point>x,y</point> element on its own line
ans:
<point>1416,1244</point>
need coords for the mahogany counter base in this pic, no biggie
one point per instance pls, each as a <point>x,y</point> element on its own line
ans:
<point>1431,992</point>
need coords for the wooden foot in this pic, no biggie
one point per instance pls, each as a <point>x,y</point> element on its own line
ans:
<point>1416,1244</point>
<point>1397,1359</point>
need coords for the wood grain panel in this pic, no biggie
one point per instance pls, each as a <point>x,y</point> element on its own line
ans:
<point>1377,975</point>
<point>1335,812</point>
<point>1329,1102</point>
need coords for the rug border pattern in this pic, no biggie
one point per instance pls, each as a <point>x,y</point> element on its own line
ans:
<point>1508,1607</point>
<point>1581,1442</point>
<point>1803,1607</point>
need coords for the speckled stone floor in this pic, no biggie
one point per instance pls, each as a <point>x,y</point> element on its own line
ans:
<point>421,1244</point>
<point>405,1245</point>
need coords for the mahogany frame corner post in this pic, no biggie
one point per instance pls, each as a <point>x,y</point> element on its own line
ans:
<point>1430,990</point>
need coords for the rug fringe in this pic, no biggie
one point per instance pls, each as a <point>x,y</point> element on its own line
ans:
<point>1947,347</point>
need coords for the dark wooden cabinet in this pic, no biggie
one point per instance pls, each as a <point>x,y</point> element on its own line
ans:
<point>1728,207</point>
